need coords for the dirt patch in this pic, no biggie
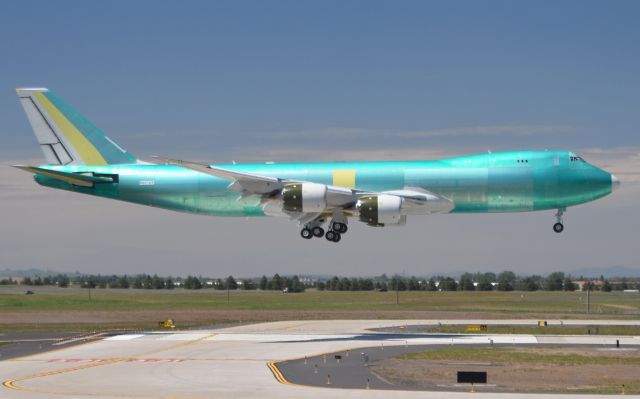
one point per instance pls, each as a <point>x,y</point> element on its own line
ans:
<point>525,376</point>
<point>232,315</point>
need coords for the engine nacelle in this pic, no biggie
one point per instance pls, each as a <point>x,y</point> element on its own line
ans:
<point>380,210</point>
<point>304,197</point>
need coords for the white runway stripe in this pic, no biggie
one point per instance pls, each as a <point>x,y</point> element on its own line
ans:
<point>124,337</point>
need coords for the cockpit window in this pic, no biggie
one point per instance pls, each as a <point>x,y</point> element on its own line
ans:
<point>575,158</point>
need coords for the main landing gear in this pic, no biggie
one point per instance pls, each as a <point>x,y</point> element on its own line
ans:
<point>309,232</point>
<point>559,227</point>
<point>339,227</point>
<point>334,234</point>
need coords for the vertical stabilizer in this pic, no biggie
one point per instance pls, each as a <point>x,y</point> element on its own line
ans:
<point>65,136</point>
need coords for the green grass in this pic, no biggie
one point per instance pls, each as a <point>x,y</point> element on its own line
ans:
<point>511,303</point>
<point>507,355</point>
<point>549,330</point>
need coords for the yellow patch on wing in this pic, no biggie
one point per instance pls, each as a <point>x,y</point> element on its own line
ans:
<point>344,178</point>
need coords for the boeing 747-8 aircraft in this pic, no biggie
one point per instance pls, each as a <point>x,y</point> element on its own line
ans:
<point>81,158</point>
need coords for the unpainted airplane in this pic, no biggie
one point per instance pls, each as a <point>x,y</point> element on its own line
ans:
<point>81,158</point>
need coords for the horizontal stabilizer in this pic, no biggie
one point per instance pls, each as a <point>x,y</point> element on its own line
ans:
<point>73,178</point>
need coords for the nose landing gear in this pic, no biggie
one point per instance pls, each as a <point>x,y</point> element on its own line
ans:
<point>559,226</point>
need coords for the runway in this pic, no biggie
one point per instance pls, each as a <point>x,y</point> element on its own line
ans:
<point>234,362</point>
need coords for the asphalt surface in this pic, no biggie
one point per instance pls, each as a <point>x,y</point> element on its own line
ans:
<point>13,345</point>
<point>352,368</point>
<point>344,369</point>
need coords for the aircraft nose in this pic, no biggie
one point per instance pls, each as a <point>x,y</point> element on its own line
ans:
<point>615,183</point>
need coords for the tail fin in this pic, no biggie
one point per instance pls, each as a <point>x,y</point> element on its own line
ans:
<point>65,136</point>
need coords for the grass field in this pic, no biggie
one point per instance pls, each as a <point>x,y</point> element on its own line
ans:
<point>542,369</point>
<point>547,356</point>
<point>65,299</point>
<point>81,309</point>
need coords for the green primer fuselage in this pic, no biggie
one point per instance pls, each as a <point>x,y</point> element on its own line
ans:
<point>501,182</point>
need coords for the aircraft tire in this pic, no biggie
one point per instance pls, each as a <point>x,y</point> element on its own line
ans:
<point>330,235</point>
<point>306,233</point>
<point>558,227</point>
<point>340,227</point>
<point>318,231</point>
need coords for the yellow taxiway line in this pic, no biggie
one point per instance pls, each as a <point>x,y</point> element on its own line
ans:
<point>277,373</point>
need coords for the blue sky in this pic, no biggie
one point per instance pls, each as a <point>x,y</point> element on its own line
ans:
<point>260,81</point>
<point>231,71</point>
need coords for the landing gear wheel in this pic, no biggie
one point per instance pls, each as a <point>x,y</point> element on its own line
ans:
<point>306,233</point>
<point>558,227</point>
<point>332,236</point>
<point>339,227</point>
<point>337,237</point>
<point>318,231</point>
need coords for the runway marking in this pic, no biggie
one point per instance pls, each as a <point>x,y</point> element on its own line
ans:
<point>277,373</point>
<point>11,384</point>
<point>124,337</point>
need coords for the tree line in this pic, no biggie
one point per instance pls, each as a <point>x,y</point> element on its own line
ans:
<point>146,281</point>
<point>504,281</point>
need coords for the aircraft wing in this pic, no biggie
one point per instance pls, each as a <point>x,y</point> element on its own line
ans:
<point>249,184</point>
<point>246,183</point>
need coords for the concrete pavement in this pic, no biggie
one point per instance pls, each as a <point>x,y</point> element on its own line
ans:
<point>233,362</point>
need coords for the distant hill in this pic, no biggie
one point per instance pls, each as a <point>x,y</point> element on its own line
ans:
<point>607,272</point>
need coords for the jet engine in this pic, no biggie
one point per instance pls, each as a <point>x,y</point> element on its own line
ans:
<point>304,197</point>
<point>380,210</point>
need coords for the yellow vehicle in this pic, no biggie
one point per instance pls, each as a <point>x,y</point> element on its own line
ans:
<point>476,328</point>
<point>167,323</point>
